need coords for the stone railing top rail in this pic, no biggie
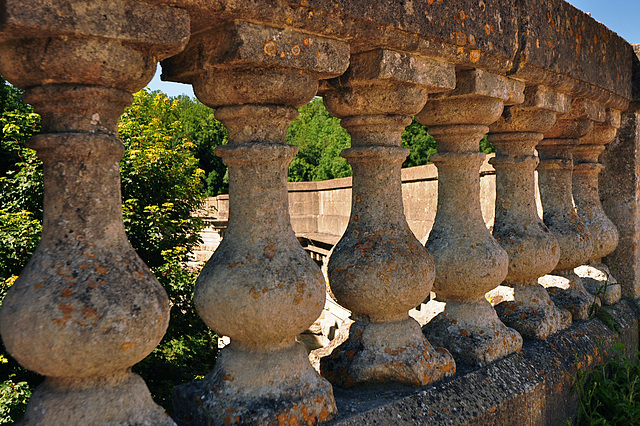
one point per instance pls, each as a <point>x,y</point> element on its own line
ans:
<point>540,41</point>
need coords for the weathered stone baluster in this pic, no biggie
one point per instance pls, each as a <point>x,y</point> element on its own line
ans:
<point>259,288</point>
<point>469,262</point>
<point>533,250</point>
<point>379,270</point>
<point>596,276</point>
<point>554,179</point>
<point>85,308</point>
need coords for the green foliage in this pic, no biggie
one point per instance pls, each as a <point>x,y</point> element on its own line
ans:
<point>20,183</point>
<point>205,132</point>
<point>610,393</point>
<point>603,312</point>
<point>486,146</point>
<point>420,143</point>
<point>13,398</point>
<point>19,236</point>
<point>161,180</point>
<point>320,140</point>
<point>188,349</point>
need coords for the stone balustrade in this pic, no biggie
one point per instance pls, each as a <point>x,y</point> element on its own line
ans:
<point>86,308</point>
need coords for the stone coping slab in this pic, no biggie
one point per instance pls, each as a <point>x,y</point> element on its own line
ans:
<point>542,41</point>
<point>530,387</point>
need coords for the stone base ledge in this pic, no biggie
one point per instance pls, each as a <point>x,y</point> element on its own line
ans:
<point>530,387</point>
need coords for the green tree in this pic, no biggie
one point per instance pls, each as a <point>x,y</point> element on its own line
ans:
<point>420,143</point>
<point>205,132</point>
<point>20,182</point>
<point>161,186</point>
<point>320,139</point>
<point>21,194</point>
<point>161,180</point>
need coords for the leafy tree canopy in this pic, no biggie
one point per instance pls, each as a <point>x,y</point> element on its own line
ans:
<point>320,139</point>
<point>161,181</point>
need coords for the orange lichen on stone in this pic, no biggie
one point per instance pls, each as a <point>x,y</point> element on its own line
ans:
<point>270,250</point>
<point>270,48</point>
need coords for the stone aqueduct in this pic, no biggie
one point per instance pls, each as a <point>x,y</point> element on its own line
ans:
<point>554,90</point>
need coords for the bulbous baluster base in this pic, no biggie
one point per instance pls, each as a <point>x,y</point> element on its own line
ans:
<point>390,352</point>
<point>567,291</point>
<point>120,399</point>
<point>532,313</point>
<point>472,332</point>
<point>598,280</point>
<point>251,387</point>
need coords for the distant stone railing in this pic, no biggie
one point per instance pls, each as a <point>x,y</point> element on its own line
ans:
<point>320,210</point>
<point>547,83</point>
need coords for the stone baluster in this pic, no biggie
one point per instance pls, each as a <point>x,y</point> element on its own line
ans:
<point>378,269</point>
<point>85,308</point>
<point>469,262</point>
<point>555,182</point>
<point>596,276</point>
<point>259,288</point>
<point>533,250</point>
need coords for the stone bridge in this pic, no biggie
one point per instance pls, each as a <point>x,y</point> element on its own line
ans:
<point>554,90</point>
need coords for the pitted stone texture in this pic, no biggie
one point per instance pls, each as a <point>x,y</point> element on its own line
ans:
<point>378,269</point>
<point>259,273</point>
<point>100,38</point>
<point>556,192</point>
<point>473,332</point>
<point>533,250</point>
<point>554,29</point>
<point>273,387</point>
<point>532,313</point>
<point>85,308</point>
<point>567,291</point>
<point>534,386</point>
<point>620,198</point>
<point>382,82</point>
<point>468,259</point>
<point>261,48</point>
<point>554,177</point>
<point>529,39</point>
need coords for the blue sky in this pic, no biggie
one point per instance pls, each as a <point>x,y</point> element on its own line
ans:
<point>622,16</point>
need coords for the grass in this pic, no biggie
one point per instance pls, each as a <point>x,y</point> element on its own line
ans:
<point>610,393</point>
